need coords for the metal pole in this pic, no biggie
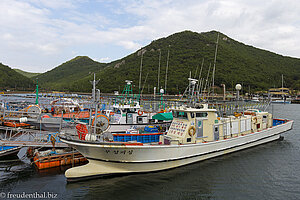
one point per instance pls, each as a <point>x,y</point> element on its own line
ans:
<point>140,80</point>
<point>96,114</point>
<point>167,70</point>
<point>158,69</point>
<point>213,82</point>
<point>94,88</point>
<point>37,93</point>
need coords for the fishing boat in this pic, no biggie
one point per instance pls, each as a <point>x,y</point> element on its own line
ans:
<point>66,105</point>
<point>9,152</point>
<point>30,116</point>
<point>280,95</point>
<point>124,117</point>
<point>14,124</point>
<point>195,134</point>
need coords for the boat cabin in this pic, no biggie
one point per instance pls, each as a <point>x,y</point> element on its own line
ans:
<point>127,114</point>
<point>192,125</point>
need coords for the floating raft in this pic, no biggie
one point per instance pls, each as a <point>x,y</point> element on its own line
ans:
<point>56,160</point>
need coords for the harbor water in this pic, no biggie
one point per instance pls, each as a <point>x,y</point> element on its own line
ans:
<point>268,171</point>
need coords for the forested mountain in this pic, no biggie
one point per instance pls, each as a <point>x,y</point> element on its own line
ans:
<point>10,79</point>
<point>26,74</point>
<point>236,63</point>
<point>63,77</point>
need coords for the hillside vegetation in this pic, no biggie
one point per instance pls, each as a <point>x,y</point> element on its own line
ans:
<point>11,80</point>
<point>27,74</point>
<point>63,77</point>
<point>236,63</point>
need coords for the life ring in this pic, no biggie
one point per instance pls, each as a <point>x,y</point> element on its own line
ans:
<point>249,113</point>
<point>255,119</point>
<point>192,131</point>
<point>98,117</point>
<point>140,112</point>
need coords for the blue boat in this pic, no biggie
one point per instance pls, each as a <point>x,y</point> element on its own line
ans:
<point>9,152</point>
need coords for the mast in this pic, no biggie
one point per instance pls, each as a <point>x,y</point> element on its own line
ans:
<point>190,77</point>
<point>281,80</point>
<point>282,86</point>
<point>207,78</point>
<point>199,82</point>
<point>167,70</point>
<point>158,68</point>
<point>37,93</point>
<point>94,83</point>
<point>144,83</point>
<point>141,71</point>
<point>214,68</point>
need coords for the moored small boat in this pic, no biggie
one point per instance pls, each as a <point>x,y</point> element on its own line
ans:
<point>9,152</point>
<point>50,159</point>
<point>14,124</point>
<point>194,135</point>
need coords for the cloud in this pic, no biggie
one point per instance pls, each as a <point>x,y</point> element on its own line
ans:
<point>103,60</point>
<point>46,33</point>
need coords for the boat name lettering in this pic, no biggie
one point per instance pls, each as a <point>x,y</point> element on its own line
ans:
<point>119,151</point>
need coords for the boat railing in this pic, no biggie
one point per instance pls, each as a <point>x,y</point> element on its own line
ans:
<point>8,114</point>
<point>278,121</point>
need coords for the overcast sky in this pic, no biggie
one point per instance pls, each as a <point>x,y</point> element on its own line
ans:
<point>38,35</point>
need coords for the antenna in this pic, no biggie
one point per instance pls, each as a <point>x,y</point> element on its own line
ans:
<point>189,91</point>
<point>128,82</point>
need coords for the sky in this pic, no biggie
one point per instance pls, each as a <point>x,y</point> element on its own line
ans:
<point>38,35</point>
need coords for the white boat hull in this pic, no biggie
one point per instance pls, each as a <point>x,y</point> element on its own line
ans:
<point>112,159</point>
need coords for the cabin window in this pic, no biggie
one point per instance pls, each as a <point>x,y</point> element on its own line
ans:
<point>174,113</point>
<point>140,119</point>
<point>192,115</point>
<point>151,120</point>
<point>180,115</point>
<point>202,114</point>
<point>188,139</point>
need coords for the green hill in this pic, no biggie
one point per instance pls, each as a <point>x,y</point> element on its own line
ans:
<point>236,63</point>
<point>62,77</point>
<point>27,74</point>
<point>11,80</point>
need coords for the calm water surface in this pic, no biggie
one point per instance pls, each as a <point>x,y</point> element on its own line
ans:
<point>270,171</point>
